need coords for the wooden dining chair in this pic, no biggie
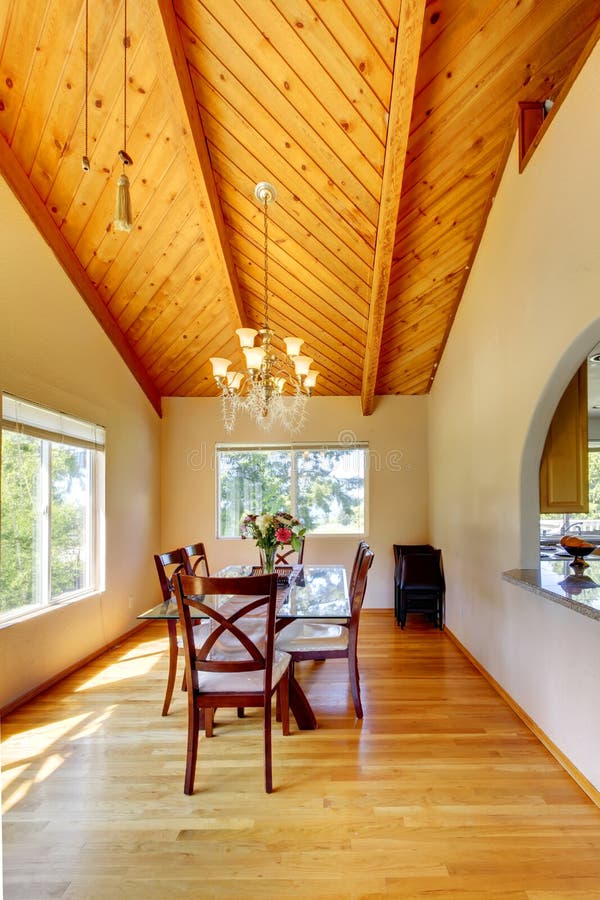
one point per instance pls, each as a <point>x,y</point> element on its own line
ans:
<point>168,565</point>
<point>197,559</point>
<point>197,564</point>
<point>236,663</point>
<point>360,550</point>
<point>422,587</point>
<point>337,620</point>
<point>400,551</point>
<point>312,639</point>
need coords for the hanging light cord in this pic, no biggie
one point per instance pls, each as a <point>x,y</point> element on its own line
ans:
<point>266,226</point>
<point>85,162</point>
<point>87,50</point>
<point>125,81</point>
<point>123,154</point>
<point>123,218</point>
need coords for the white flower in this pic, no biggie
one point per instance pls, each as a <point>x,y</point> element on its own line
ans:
<point>263,522</point>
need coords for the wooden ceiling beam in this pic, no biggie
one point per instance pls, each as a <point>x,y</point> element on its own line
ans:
<point>16,177</point>
<point>408,45</point>
<point>175,75</point>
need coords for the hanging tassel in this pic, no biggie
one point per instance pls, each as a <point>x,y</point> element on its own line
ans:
<point>123,218</point>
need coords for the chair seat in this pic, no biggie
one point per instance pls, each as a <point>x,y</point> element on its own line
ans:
<point>311,634</point>
<point>237,682</point>
<point>200,634</point>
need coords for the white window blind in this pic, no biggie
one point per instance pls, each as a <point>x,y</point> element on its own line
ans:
<point>29,418</point>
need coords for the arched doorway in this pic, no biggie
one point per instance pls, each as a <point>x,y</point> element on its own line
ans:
<point>558,379</point>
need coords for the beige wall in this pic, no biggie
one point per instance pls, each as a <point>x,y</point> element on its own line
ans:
<point>53,352</point>
<point>529,316</point>
<point>397,437</point>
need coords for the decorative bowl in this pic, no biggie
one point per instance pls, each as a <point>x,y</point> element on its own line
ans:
<point>578,553</point>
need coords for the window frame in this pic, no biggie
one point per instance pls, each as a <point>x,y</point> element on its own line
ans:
<point>49,426</point>
<point>292,448</point>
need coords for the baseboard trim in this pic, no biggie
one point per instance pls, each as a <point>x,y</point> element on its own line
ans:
<point>558,755</point>
<point>40,688</point>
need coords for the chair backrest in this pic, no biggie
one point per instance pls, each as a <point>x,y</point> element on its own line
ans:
<point>167,565</point>
<point>197,559</point>
<point>422,571</point>
<point>360,586</point>
<point>242,623</point>
<point>362,546</point>
<point>401,550</point>
<point>282,555</point>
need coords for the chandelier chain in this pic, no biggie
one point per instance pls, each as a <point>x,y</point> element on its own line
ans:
<point>266,230</point>
<point>260,392</point>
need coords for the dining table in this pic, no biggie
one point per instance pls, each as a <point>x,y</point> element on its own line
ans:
<point>305,592</point>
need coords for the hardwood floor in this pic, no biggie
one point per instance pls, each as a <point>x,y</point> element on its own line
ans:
<point>440,792</point>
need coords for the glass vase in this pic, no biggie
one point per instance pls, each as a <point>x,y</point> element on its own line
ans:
<point>268,559</point>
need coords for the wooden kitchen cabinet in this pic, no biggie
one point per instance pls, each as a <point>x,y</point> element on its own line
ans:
<point>564,480</point>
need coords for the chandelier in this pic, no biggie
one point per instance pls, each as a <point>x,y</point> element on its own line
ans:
<point>259,391</point>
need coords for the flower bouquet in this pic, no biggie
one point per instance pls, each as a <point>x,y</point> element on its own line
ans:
<point>273,531</point>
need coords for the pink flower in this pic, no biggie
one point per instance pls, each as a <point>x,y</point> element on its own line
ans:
<point>283,535</point>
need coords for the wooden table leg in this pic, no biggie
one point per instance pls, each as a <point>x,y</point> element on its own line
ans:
<point>173,654</point>
<point>300,707</point>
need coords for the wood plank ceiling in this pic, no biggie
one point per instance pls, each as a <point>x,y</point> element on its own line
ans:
<point>383,124</point>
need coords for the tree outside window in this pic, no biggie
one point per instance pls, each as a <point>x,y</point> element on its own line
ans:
<point>49,509</point>
<point>323,485</point>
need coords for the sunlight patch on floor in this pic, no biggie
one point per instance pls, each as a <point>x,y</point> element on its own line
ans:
<point>48,766</point>
<point>19,793</point>
<point>131,666</point>
<point>92,725</point>
<point>44,736</point>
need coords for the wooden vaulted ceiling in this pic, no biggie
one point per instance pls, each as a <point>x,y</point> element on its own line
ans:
<point>383,124</point>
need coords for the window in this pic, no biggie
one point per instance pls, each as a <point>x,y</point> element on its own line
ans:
<point>324,485</point>
<point>52,487</point>
<point>556,524</point>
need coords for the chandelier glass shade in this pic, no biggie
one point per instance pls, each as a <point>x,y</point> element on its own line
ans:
<point>276,385</point>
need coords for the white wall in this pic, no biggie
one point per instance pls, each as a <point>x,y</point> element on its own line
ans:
<point>397,436</point>
<point>528,317</point>
<point>54,353</point>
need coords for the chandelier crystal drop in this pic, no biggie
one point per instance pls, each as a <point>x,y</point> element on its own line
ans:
<point>259,391</point>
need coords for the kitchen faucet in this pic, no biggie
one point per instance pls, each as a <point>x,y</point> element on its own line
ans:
<point>575,526</point>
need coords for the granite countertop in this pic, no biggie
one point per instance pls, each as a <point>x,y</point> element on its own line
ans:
<point>557,581</point>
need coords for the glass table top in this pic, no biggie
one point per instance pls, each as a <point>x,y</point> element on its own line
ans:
<point>315,592</point>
